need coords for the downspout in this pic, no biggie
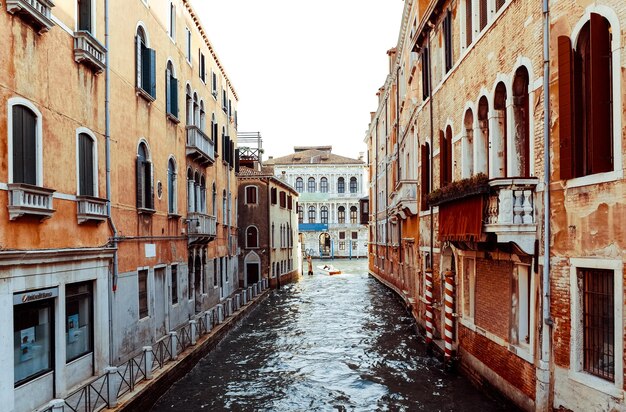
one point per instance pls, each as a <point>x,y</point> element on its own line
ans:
<point>430,172</point>
<point>543,371</point>
<point>107,135</point>
<point>376,189</point>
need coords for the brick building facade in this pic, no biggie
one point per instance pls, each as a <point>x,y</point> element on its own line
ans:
<point>457,226</point>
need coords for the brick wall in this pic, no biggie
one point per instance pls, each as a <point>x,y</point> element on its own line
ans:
<point>493,296</point>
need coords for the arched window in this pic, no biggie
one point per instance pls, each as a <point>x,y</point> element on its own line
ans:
<point>311,185</point>
<point>586,94</point>
<point>324,214</point>
<point>145,190</point>
<point>145,65</point>
<point>498,139</point>
<point>481,162</point>
<point>299,185</point>
<point>520,161</point>
<point>191,191</point>
<point>311,214</point>
<point>445,157</point>
<point>353,214</point>
<point>341,214</point>
<point>300,214</point>
<point>341,185</point>
<point>171,186</point>
<point>25,154</point>
<point>252,237</point>
<point>353,185</point>
<point>202,194</point>
<point>188,106</point>
<point>86,167</point>
<point>324,185</point>
<point>171,91</point>
<point>196,110</point>
<point>467,145</point>
<point>197,195</point>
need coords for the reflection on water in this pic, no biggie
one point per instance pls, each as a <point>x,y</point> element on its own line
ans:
<point>338,342</point>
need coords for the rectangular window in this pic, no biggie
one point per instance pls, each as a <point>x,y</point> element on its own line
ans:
<point>522,319</point>
<point>85,165</point>
<point>172,21</point>
<point>468,23</point>
<point>201,66</point>
<point>482,10</point>
<point>499,4</point>
<point>84,15</point>
<point>79,316</point>
<point>33,339</point>
<point>224,101</point>
<point>273,196</point>
<point>251,192</point>
<point>447,34</point>
<point>142,278</point>
<point>215,284</point>
<point>214,84</point>
<point>598,322</point>
<point>289,202</point>
<point>469,280</point>
<point>354,245</point>
<point>174,283</point>
<point>355,235</point>
<point>190,279</point>
<point>425,73</point>
<point>188,34</point>
<point>283,199</point>
<point>342,235</point>
<point>342,245</point>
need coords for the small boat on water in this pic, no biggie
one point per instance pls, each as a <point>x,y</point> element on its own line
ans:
<point>330,269</point>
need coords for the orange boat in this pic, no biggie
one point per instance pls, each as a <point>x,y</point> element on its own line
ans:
<point>330,269</point>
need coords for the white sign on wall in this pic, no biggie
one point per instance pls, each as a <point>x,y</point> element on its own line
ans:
<point>150,250</point>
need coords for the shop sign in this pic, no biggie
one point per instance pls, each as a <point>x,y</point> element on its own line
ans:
<point>35,295</point>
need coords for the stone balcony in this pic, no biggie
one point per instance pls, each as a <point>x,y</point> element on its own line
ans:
<point>29,200</point>
<point>89,51</point>
<point>36,12</point>
<point>91,209</point>
<point>510,211</point>
<point>404,199</point>
<point>199,147</point>
<point>201,227</point>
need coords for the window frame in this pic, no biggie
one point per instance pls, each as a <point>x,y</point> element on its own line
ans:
<point>172,187</point>
<point>145,311</point>
<point>69,299</point>
<point>94,153</point>
<point>256,229</point>
<point>19,101</point>
<point>252,189</point>
<point>299,185</point>
<point>311,185</point>
<point>172,22</point>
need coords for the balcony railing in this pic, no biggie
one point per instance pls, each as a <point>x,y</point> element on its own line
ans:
<point>36,12</point>
<point>25,199</point>
<point>201,227</point>
<point>89,51</point>
<point>510,211</point>
<point>199,146</point>
<point>405,198</point>
<point>91,209</point>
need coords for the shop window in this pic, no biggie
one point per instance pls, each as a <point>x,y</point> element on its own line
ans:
<point>33,340</point>
<point>79,320</point>
<point>142,278</point>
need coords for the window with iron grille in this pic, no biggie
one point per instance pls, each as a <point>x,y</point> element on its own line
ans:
<point>597,287</point>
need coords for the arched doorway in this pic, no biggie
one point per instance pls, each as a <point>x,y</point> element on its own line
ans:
<point>252,268</point>
<point>324,244</point>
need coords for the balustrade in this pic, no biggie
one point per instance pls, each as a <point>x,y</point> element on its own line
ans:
<point>200,146</point>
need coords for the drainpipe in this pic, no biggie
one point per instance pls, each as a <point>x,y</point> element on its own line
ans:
<point>430,173</point>
<point>107,135</point>
<point>543,371</point>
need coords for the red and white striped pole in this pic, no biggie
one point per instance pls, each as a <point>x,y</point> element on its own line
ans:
<point>449,310</point>
<point>429,306</point>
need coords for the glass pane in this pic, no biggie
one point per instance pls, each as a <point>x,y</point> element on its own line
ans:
<point>78,332</point>
<point>32,340</point>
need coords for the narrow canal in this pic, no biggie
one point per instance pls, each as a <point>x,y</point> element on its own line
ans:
<point>325,343</point>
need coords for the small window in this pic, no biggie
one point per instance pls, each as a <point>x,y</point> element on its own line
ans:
<point>342,235</point>
<point>142,278</point>
<point>341,185</point>
<point>353,185</point>
<point>312,214</point>
<point>252,237</point>
<point>174,284</point>
<point>188,49</point>
<point>79,315</point>
<point>324,214</point>
<point>342,245</point>
<point>341,215</point>
<point>201,66</point>
<point>299,185</point>
<point>283,199</point>
<point>324,185</point>
<point>311,186</point>
<point>355,235</point>
<point>251,195</point>
<point>172,27</point>
<point>86,167</point>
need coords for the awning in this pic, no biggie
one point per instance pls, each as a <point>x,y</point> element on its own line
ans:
<point>461,220</point>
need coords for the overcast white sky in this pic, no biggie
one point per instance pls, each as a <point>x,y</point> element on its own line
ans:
<point>305,72</point>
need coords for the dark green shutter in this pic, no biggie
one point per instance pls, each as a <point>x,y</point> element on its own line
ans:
<point>84,15</point>
<point>24,146</point>
<point>174,96</point>
<point>145,68</point>
<point>152,60</point>
<point>85,173</point>
<point>149,186</point>
<point>139,178</point>
<point>18,144</point>
<point>237,161</point>
<point>168,92</point>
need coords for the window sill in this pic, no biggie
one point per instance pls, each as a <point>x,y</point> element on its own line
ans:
<point>144,94</point>
<point>596,383</point>
<point>174,216</point>
<point>214,94</point>
<point>172,118</point>
<point>595,179</point>
<point>145,211</point>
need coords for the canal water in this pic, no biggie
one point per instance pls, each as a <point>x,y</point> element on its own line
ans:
<point>325,343</point>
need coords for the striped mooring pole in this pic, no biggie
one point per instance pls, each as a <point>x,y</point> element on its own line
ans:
<point>449,310</point>
<point>429,306</point>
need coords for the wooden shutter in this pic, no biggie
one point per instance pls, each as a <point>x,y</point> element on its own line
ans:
<point>84,15</point>
<point>140,182</point>
<point>425,175</point>
<point>174,96</point>
<point>18,144</point>
<point>24,146</point>
<point>448,159</point>
<point>152,60</point>
<point>566,108</point>
<point>442,159</point>
<point>168,92</point>
<point>149,186</point>
<point>232,153</point>
<point>448,39</point>
<point>85,147</point>
<point>139,60</point>
<point>600,144</point>
<point>237,161</point>
<point>468,22</point>
<point>145,68</point>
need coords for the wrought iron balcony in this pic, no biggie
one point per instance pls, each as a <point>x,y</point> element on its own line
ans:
<point>29,200</point>
<point>199,146</point>
<point>510,211</point>
<point>91,209</point>
<point>36,12</point>
<point>201,227</point>
<point>89,51</point>
<point>404,201</point>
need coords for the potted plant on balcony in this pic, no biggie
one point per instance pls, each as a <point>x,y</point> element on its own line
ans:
<point>475,185</point>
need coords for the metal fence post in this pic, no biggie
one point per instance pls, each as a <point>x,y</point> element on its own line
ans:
<point>148,359</point>
<point>173,346</point>
<point>112,386</point>
<point>193,329</point>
